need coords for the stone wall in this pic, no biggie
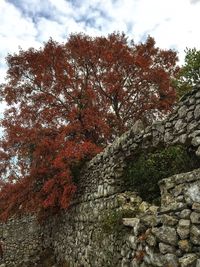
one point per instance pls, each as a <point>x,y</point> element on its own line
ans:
<point>21,241</point>
<point>168,235</point>
<point>78,236</point>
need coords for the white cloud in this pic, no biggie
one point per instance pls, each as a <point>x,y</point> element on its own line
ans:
<point>15,31</point>
<point>29,23</point>
<point>12,23</point>
<point>47,28</point>
<point>63,7</point>
<point>180,27</point>
<point>32,7</point>
<point>194,1</point>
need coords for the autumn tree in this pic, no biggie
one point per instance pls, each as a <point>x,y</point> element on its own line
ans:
<point>65,103</point>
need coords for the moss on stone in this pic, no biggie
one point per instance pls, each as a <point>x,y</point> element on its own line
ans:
<point>112,221</point>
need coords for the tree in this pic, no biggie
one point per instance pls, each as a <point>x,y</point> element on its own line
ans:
<point>189,74</point>
<point>65,103</point>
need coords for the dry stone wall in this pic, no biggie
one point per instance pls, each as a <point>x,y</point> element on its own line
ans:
<point>168,235</point>
<point>21,242</point>
<point>78,236</point>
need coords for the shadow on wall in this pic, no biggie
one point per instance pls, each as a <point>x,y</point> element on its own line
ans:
<point>144,173</point>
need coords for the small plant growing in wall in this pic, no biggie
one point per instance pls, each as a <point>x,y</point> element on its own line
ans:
<point>112,221</point>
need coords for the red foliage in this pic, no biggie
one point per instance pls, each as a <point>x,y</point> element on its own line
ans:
<point>65,103</point>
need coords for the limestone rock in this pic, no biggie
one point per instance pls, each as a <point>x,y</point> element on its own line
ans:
<point>183,228</point>
<point>196,206</point>
<point>184,223</point>
<point>125,263</point>
<point>164,248</point>
<point>166,235</point>
<point>151,240</point>
<point>196,141</point>
<point>183,138</point>
<point>170,260</point>
<point>197,112</point>
<point>185,214</point>
<point>198,263</point>
<point>188,260</point>
<point>179,125</point>
<point>189,116</point>
<point>137,127</point>
<point>133,263</point>
<point>150,220</point>
<point>184,245</point>
<point>132,241</point>
<point>182,112</point>
<point>198,152</point>
<point>157,260</point>
<point>195,234</point>
<point>169,220</point>
<point>132,222</point>
<point>195,217</point>
<point>144,206</point>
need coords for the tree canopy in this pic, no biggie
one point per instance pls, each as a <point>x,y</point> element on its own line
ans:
<point>65,103</point>
<point>189,74</point>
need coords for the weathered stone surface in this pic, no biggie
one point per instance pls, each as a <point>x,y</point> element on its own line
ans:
<point>195,234</point>
<point>196,206</point>
<point>132,241</point>
<point>156,260</point>
<point>197,112</point>
<point>185,214</point>
<point>190,116</point>
<point>195,217</point>
<point>182,112</point>
<point>169,220</point>
<point>188,260</point>
<point>184,223</point>
<point>183,232</point>
<point>164,248</point>
<point>170,260</point>
<point>198,152</point>
<point>138,127</point>
<point>125,250</point>
<point>192,193</point>
<point>125,263</point>
<point>132,222</point>
<point>179,125</point>
<point>144,206</point>
<point>151,240</point>
<point>166,234</point>
<point>172,207</point>
<point>196,141</point>
<point>183,228</point>
<point>183,138</point>
<point>184,245</point>
<point>198,263</point>
<point>150,220</point>
<point>134,263</point>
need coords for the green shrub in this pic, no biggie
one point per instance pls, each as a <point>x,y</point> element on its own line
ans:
<point>112,220</point>
<point>144,173</point>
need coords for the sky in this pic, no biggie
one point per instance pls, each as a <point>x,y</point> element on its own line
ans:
<point>29,23</point>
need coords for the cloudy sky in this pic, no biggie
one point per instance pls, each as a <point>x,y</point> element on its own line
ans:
<point>29,23</point>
